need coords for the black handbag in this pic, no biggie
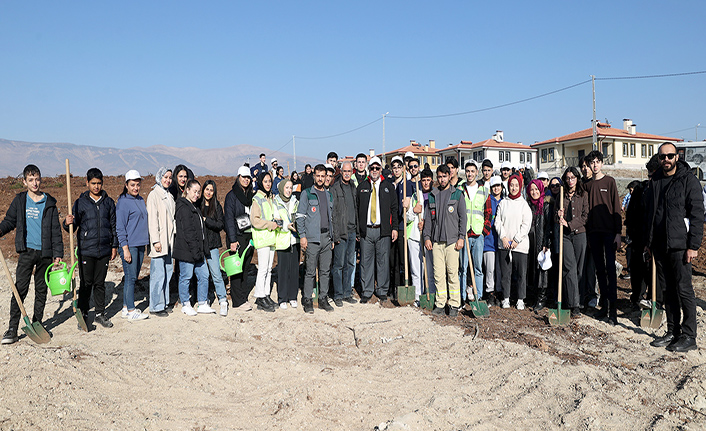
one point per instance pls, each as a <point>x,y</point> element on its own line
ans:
<point>243,221</point>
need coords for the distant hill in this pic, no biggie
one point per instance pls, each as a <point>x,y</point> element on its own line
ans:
<point>116,161</point>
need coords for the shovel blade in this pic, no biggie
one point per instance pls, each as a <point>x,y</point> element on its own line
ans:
<point>405,295</point>
<point>427,304</point>
<point>480,308</point>
<point>79,317</point>
<point>645,319</point>
<point>559,317</point>
<point>656,320</point>
<point>36,332</point>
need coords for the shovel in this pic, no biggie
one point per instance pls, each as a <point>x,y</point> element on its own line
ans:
<point>405,293</point>
<point>425,301</point>
<point>478,308</point>
<point>559,317</point>
<point>652,318</point>
<point>34,330</point>
<point>74,302</point>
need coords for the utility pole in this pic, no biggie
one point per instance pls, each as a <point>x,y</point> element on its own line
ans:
<point>294,152</point>
<point>696,132</point>
<point>595,137</point>
<point>383,138</point>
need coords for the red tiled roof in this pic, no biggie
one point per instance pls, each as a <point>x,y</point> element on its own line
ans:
<point>606,131</point>
<point>488,143</point>
<point>416,149</point>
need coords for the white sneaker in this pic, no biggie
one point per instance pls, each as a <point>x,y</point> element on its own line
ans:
<point>136,315</point>
<point>520,304</point>
<point>293,303</point>
<point>205,309</point>
<point>188,310</point>
<point>224,308</point>
<point>124,313</point>
<point>283,306</point>
<point>506,303</point>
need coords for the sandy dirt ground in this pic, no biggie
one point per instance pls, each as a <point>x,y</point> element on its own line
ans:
<point>357,368</point>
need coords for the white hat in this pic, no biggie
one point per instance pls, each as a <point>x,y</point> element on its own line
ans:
<point>495,181</point>
<point>410,155</point>
<point>542,175</point>
<point>273,160</point>
<point>472,162</point>
<point>528,165</point>
<point>243,171</point>
<point>329,167</point>
<point>397,159</point>
<point>132,174</point>
<point>519,166</point>
<point>373,160</point>
<point>506,165</point>
<point>544,258</point>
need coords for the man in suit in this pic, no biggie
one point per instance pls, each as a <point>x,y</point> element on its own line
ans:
<point>377,215</point>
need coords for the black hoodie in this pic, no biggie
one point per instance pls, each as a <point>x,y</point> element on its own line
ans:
<point>190,241</point>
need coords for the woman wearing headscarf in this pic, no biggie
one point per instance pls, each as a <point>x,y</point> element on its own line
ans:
<point>513,222</point>
<point>160,212</point>
<point>212,213</point>
<point>540,206</point>
<point>236,216</point>
<point>287,246</point>
<point>262,217</point>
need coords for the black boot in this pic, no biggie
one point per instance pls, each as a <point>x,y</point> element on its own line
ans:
<point>612,314</point>
<point>323,304</point>
<point>603,312</point>
<point>263,305</point>
<point>541,299</point>
<point>307,305</point>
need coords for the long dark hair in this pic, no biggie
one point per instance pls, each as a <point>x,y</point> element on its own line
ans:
<point>210,209</point>
<point>579,184</point>
<point>175,172</point>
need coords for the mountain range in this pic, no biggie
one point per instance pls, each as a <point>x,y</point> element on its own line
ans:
<point>50,157</point>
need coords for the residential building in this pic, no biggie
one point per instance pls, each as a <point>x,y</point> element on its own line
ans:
<point>426,153</point>
<point>494,149</point>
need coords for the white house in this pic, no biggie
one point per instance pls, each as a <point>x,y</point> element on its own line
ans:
<point>494,149</point>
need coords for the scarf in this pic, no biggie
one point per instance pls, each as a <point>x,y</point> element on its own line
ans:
<point>243,195</point>
<point>539,203</point>
<point>280,187</point>
<point>517,177</point>
<point>158,177</point>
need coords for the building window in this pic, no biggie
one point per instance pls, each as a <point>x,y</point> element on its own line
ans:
<point>625,150</point>
<point>650,150</point>
<point>522,157</point>
<point>501,156</point>
<point>529,157</point>
<point>551,154</point>
<point>507,156</point>
<point>632,150</point>
<point>544,155</point>
<point>643,151</point>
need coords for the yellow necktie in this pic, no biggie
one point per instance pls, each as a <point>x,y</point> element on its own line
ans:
<point>373,206</point>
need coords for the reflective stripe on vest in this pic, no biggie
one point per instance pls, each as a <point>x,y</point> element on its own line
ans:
<point>283,237</point>
<point>264,237</point>
<point>475,216</point>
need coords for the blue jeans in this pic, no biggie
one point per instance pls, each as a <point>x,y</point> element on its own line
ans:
<point>214,268</point>
<point>343,267</point>
<point>186,271</point>
<point>161,269</point>
<point>131,271</point>
<point>476,245</point>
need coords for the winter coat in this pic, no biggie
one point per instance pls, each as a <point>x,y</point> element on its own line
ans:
<point>309,219</point>
<point>94,224</point>
<point>684,210</point>
<point>190,242</point>
<point>512,221</point>
<point>635,216</point>
<point>213,227</point>
<point>388,207</point>
<point>52,242</point>
<point>341,206</point>
<point>234,207</point>
<point>161,225</point>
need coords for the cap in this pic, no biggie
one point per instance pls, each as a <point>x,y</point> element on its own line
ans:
<point>506,165</point>
<point>410,155</point>
<point>374,160</point>
<point>495,180</point>
<point>273,160</point>
<point>397,159</point>
<point>542,176</point>
<point>329,167</point>
<point>132,174</point>
<point>528,165</point>
<point>243,171</point>
<point>471,162</point>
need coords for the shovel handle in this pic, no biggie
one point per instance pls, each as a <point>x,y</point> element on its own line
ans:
<point>470,266</point>
<point>12,284</point>
<point>561,246</point>
<point>654,280</point>
<point>421,243</point>
<point>71,226</point>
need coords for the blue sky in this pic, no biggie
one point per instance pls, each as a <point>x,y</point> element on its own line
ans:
<point>214,74</point>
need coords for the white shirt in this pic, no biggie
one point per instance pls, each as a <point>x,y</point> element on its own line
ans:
<point>376,184</point>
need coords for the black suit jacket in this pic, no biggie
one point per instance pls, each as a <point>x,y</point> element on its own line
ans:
<point>388,207</point>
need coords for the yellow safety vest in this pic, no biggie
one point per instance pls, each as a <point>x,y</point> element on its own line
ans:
<point>284,237</point>
<point>475,218</point>
<point>264,237</point>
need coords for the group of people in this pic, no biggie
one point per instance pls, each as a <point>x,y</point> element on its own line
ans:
<point>495,235</point>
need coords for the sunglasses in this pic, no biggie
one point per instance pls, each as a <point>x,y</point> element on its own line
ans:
<point>375,168</point>
<point>413,166</point>
<point>555,185</point>
<point>669,156</point>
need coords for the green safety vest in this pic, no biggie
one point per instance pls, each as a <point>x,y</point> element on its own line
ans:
<point>264,237</point>
<point>475,218</point>
<point>283,237</point>
<point>411,224</point>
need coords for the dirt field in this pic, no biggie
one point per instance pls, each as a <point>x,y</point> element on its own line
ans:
<point>360,367</point>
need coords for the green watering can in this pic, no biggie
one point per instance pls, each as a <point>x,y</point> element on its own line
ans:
<point>59,280</point>
<point>233,264</point>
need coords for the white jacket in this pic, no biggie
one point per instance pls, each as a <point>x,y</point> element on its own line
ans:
<point>513,221</point>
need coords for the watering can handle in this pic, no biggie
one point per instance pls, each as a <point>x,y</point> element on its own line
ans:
<point>220,259</point>
<point>73,267</point>
<point>46,273</point>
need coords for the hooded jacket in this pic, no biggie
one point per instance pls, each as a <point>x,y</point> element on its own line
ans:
<point>237,202</point>
<point>190,242</point>
<point>52,242</point>
<point>683,206</point>
<point>94,224</point>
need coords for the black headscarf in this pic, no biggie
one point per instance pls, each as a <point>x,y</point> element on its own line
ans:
<point>260,178</point>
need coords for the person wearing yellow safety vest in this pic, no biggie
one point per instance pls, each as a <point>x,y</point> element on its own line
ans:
<point>287,245</point>
<point>263,219</point>
<point>414,235</point>
<point>315,227</point>
<point>475,196</point>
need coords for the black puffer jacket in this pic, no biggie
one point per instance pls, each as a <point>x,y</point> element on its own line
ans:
<point>234,207</point>
<point>52,243</point>
<point>684,202</point>
<point>190,240</point>
<point>214,226</point>
<point>94,224</point>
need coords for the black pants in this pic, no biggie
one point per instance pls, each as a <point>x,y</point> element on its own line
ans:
<point>239,290</point>
<point>674,275</point>
<point>28,262</point>
<point>574,254</point>
<point>92,271</point>
<point>288,274</point>
<point>641,276</point>
<point>508,269</point>
<point>603,250</point>
<point>397,262</point>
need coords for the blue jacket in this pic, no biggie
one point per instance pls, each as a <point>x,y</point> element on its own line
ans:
<point>131,221</point>
<point>94,224</point>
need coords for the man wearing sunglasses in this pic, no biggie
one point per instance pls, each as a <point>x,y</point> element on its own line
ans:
<point>604,229</point>
<point>377,215</point>
<point>675,213</point>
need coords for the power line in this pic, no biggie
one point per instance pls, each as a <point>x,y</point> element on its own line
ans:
<point>681,130</point>
<point>666,75</point>
<point>493,107</point>
<point>340,134</point>
<point>290,140</point>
